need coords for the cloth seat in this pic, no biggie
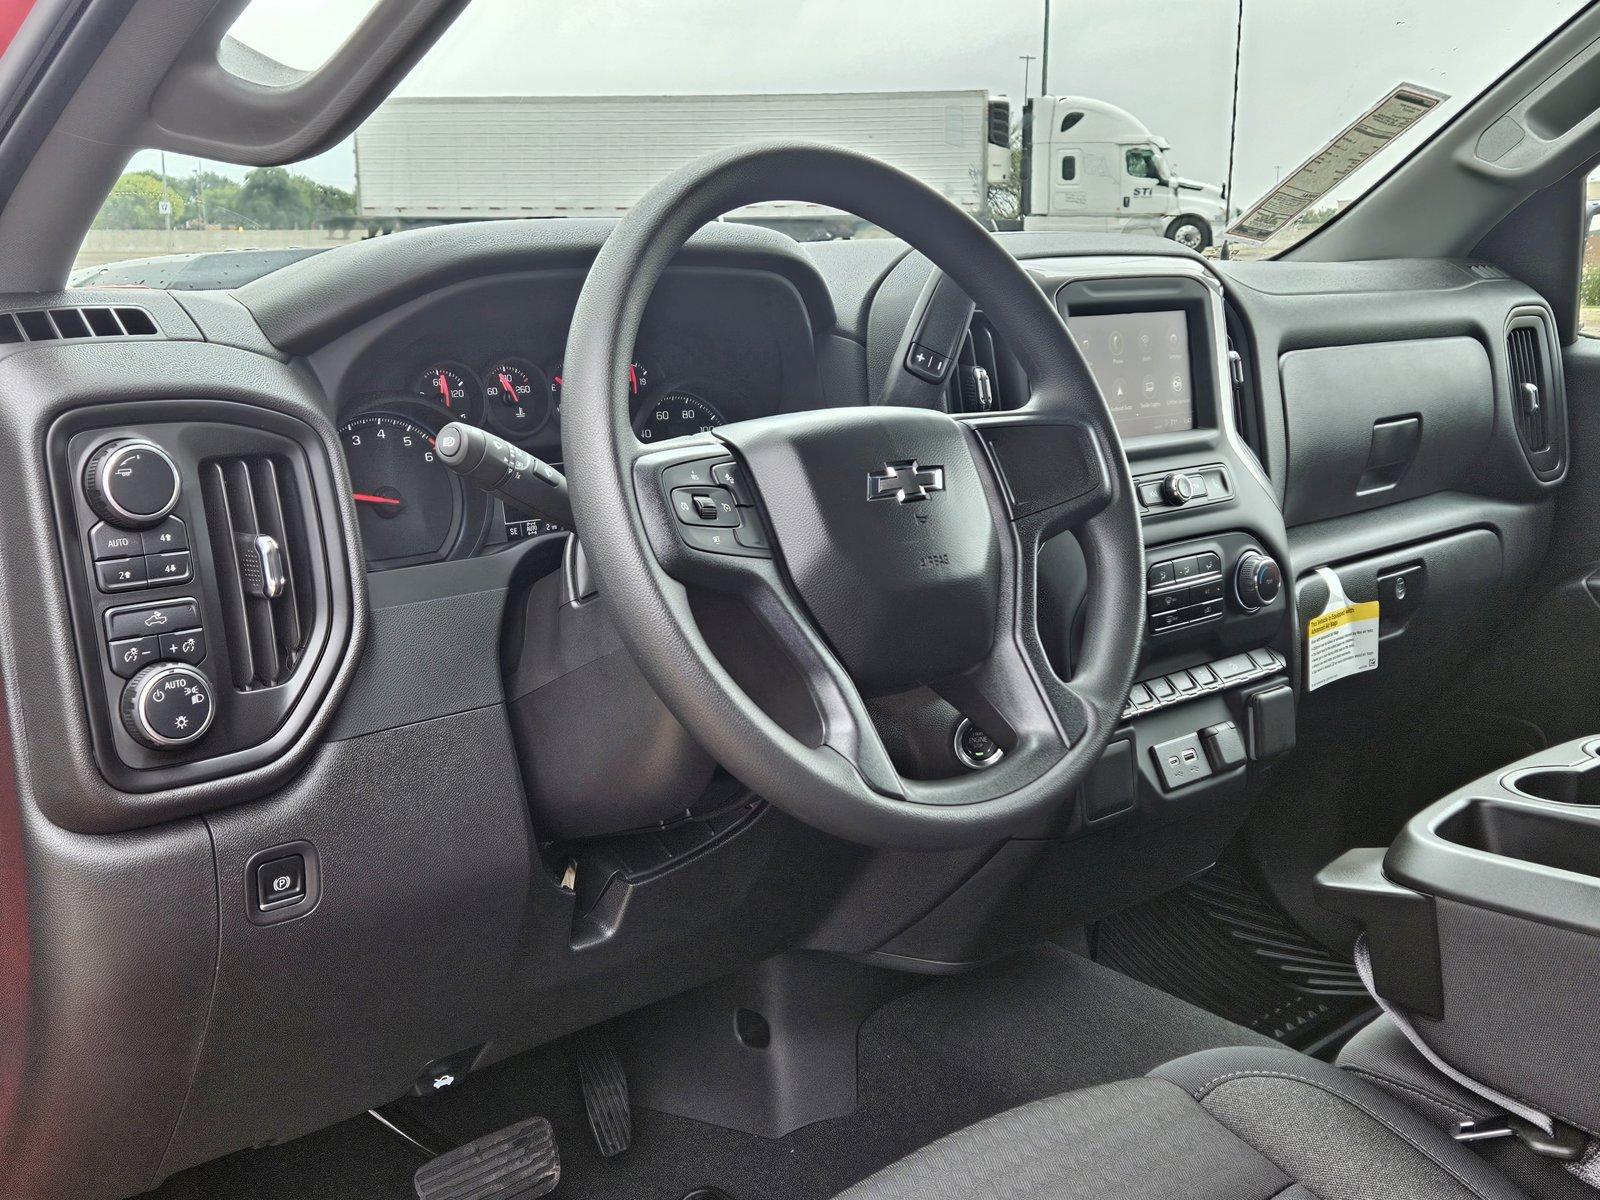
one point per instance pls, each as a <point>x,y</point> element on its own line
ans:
<point>1241,1124</point>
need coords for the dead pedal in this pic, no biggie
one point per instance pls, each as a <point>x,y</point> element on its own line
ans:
<point>605,1093</point>
<point>519,1162</point>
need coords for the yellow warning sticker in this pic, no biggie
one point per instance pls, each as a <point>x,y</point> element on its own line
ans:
<point>1341,640</point>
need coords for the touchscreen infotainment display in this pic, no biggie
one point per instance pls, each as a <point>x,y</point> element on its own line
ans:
<point>1141,362</point>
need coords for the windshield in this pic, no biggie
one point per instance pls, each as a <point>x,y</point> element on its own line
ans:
<point>1187,119</point>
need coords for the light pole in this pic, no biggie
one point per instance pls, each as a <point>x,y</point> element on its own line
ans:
<point>1027,70</point>
<point>1044,54</point>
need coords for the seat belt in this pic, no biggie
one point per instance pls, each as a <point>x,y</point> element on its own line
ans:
<point>1539,1131</point>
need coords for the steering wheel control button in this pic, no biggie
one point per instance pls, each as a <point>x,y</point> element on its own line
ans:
<point>1257,581</point>
<point>170,535</point>
<point>718,540</point>
<point>152,619</point>
<point>926,363</point>
<point>120,574</point>
<point>1181,761</point>
<point>751,534</point>
<point>168,706</point>
<point>280,882</point>
<point>690,474</point>
<point>132,655</point>
<point>975,748</point>
<point>107,541</point>
<point>731,476</point>
<point>132,484</point>
<point>705,506</point>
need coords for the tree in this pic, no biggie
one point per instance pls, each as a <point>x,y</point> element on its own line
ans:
<point>135,203</point>
<point>272,197</point>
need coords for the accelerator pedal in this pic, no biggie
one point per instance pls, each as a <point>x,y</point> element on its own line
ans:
<point>519,1162</point>
<point>605,1093</point>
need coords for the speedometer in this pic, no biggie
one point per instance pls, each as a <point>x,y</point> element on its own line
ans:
<point>408,502</point>
<point>674,415</point>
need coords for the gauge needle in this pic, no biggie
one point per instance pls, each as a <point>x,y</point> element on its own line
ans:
<point>633,378</point>
<point>510,392</point>
<point>444,390</point>
<point>369,498</point>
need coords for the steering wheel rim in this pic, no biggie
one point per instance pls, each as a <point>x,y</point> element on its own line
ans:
<point>845,784</point>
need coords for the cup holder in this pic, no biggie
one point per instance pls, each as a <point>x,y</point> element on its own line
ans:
<point>1564,785</point>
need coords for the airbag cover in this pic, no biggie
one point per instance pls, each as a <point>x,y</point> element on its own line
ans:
<point>881,518</point>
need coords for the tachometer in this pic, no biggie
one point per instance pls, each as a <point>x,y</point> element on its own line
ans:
<point>408,502</point>
<point>454,389</point>
<point>516,397</point>
<point>674,415</point>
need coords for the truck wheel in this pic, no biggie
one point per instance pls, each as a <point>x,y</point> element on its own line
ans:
<point>1190,232</point>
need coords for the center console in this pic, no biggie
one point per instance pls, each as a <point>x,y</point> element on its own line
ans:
<point>1213,690</point>
<point>1482,925</point>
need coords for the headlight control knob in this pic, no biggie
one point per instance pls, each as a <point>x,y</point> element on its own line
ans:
<point>1257,581</point>
<point>131,483</point>
<point>168,706</point>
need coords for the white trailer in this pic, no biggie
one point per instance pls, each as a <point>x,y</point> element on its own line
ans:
<point>424,160</point>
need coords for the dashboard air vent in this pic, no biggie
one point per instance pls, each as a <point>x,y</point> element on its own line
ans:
<point>259,540</point>
<point>1530,385</point>
<point>58,324</point>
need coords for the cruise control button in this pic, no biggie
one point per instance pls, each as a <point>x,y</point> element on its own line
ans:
<point>107,541</point>
<point>119,574</point>
<point>185,646</point>
<point>705,506</point>
<point>689,474</point>
<point>132,655</point>
<point>732,476</point>
<point>153,619</point>
<point>171,534</point>
<point>168,568</point>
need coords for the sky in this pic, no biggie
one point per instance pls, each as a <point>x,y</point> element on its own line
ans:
<point>1307,67</point>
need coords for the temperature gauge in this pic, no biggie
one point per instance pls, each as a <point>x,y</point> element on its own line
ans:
<point>516,397</point>
<point>454,389</point>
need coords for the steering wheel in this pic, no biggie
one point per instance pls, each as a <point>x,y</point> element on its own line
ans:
<point>882,549</point>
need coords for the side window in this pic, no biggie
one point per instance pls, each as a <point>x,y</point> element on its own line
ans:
<point>1141,164</point>
<point>1589,284</point>
<point>1069,168</point>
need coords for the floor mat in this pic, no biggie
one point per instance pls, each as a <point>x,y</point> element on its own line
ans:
<point>1221,945</point>
<point>932,1061</point>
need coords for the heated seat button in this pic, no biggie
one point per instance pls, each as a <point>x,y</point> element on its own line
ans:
<point>1160,573</point>
<point>120,574</point>
<point>280,882</point>
<point>107,541</point>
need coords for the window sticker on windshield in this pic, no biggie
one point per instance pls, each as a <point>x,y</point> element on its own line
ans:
<point>1343,640</point>
<point>1337,161</point>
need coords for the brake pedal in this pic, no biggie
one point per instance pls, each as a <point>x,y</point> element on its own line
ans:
<point>519,1162</point>
<point>605,1093</point>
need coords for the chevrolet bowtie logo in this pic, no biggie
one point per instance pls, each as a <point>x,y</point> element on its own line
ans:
<point>906,482</point>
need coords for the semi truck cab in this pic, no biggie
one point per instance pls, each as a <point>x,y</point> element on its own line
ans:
<point>1089,166</point>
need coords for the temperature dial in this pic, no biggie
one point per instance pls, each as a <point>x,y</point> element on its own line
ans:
<point>1257,580</point>
<point>168,706</point>
<point>131,484</point>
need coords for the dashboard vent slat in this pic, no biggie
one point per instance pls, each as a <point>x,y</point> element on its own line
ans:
<point>251,501</point>
<point>1530,386</point>
<point>91,322</point>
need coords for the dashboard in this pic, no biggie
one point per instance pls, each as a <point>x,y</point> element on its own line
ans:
<point>715,346</point>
